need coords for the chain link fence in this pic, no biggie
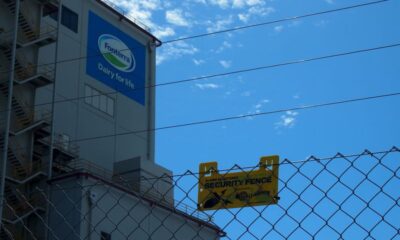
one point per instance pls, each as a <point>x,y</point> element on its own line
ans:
<point>340,197</point>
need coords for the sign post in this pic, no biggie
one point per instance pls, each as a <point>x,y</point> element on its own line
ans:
<point>238,189</point>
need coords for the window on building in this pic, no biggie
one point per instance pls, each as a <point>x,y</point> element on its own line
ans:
<point>69,19</point>
<point>98,100</point>
<point>105,236</point>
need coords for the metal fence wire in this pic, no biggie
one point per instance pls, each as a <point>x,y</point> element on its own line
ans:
<point>340,197</point>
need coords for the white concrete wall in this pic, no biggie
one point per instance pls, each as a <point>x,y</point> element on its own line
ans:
<point>104,208</point>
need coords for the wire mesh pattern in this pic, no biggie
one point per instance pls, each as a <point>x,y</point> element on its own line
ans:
<point>340,197</point>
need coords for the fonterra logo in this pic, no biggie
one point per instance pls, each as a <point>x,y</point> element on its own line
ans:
<point>116,53</point>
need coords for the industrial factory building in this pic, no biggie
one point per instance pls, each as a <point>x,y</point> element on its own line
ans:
<point>77,119</point>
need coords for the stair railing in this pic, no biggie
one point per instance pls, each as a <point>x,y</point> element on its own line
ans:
<point>6,38</point>
<point>26,71</point>
<point>29,113</point>
<point>47,71</point>
<point>25,205</point>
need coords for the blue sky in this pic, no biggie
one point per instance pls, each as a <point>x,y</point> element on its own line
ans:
<point>295,135</point>
<point>348,128</point>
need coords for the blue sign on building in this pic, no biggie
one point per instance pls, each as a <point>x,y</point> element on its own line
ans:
<point>115,59</point>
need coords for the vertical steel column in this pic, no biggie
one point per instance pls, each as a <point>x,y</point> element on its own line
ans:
<point>53,108</point>
<point>50,166</point>
<point>8,112</point>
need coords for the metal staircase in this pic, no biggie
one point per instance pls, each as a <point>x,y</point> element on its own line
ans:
<point>19,171</point>
<point>21,72</point>
<point>11,197</point>
<point>23,23</point>
<point>27,74</point>
<point>23,118</point>
<point>26,168</point>
<point>17,209</point>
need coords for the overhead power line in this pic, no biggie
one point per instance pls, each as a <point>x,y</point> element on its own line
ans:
<point>228,30</point>
<point>223,119</point>
<point>276,21</point>
<point>202,122</point>
<point>341,54</point>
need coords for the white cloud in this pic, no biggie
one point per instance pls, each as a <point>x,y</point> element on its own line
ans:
<point>225,63</point>
<point>141,12</point>
<point>204,86</point>
<point>221,3</point>
<point>233,3</point>
<point>261,11</point>
<point>176,17</point>
<point>288,119</point>
<point>329,1</point>
<point>219,24</point>
<point>260,104</point>
<point>200,1</point>
<point>164,32</point>
<point>278,28</point>
<point>238,3</point>
<point>174,50</point>
<point>225,45</point>
<point>150,4</point>
<point>198,62</point>
<point>292,113</point>
<point>243,17</point>
<point>255,11</point>
<point>257,107</point>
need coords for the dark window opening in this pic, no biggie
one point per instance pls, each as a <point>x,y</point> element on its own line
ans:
<point>105,236</point>
<point>69,19</point>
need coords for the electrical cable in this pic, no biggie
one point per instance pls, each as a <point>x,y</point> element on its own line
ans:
<point>231,29</point>
<point>202,122</point>
<point>299,108</point>
<point>275,21</point>
<point>226,73</point>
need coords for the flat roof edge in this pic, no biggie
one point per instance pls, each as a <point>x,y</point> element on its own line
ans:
<point>157,41</point>
<point>77,174</point>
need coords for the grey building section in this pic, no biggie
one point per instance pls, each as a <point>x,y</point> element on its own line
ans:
<point>118,212</point>
<point>60,120</point>
<point>80,119</point>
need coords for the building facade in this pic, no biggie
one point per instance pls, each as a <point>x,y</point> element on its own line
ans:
<point>77,98</point>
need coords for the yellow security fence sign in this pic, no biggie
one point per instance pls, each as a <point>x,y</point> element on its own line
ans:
<point>238,189</point>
